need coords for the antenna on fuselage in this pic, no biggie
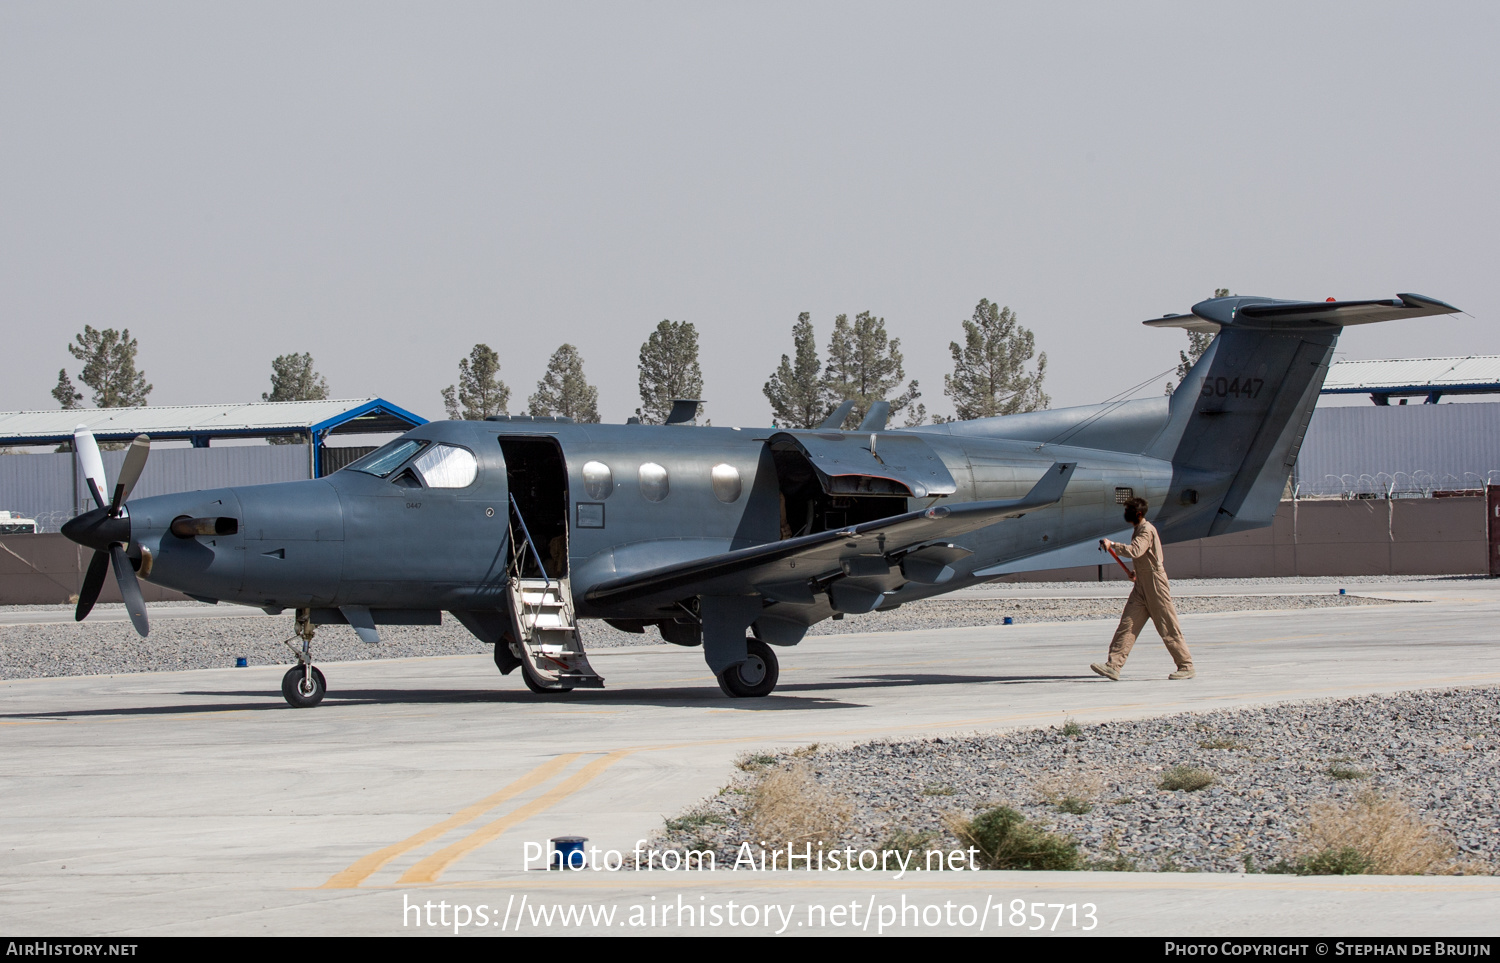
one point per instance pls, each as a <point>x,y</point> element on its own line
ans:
<point>835,419</point>
<point>684,411</point>
<point>880,413</point>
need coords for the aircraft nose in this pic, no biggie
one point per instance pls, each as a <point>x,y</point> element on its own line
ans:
<point>97,530</point>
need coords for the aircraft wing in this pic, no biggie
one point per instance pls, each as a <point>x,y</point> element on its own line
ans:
<point>787,570</point>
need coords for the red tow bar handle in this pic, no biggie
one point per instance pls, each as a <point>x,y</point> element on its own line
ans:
<point>1128,573</point>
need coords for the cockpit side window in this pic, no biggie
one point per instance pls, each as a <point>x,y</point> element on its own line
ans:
<point>447,466</point>
<point>387,458</point>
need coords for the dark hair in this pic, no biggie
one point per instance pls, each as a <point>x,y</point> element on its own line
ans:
<point>1138,506</point>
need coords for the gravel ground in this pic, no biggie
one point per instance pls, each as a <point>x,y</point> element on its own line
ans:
<point>1438,750</point>
<point>103,648</point>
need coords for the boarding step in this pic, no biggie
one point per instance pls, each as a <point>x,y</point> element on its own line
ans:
<point>547,639</point>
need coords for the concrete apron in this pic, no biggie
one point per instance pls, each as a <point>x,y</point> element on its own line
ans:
<point>197,802</point>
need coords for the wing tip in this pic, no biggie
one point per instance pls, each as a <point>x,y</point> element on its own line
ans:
<point>1423,301</point>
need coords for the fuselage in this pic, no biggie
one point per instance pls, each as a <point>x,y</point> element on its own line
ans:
<point>623,498</point>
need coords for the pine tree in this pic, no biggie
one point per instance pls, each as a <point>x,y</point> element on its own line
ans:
<point>864,365</point>
<point>1198,342</point>
<point>668,370</point>
<point>293,379</point>
<point>65,393</point>
<point>798,396</point>
<point>108,358</point>
<point>564,390</point>
<point>989,370</point>
<point>479,392</point>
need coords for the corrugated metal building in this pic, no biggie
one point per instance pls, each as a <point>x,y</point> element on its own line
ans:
<point>201,424</point>
<point>46,486</point>
<point>1404,449</point>
<point>1407,449</point>
<point>1430,378</point>
<point>50,489</point>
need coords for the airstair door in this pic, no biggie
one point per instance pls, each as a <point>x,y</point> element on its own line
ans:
<point>542,624</point>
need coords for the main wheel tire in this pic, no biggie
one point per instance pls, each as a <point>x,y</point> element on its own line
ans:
<point>298,694</point>
<point>538,687</point>
<point>754,677</point>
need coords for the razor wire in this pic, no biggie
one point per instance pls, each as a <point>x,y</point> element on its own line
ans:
<point>1397,483</point>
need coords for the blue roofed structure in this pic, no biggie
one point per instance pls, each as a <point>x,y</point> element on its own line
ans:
<point>201,424</point>
<point>1427,378</point>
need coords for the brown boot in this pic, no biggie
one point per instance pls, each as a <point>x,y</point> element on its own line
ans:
<point>1187,673</point>
<point>1105,670</point>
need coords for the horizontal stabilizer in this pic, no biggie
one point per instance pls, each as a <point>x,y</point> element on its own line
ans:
<point>1266,313</point>
<point>796,561</point>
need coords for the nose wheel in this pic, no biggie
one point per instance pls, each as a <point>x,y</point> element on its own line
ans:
<point>303,686</point>
<point>754,677</point>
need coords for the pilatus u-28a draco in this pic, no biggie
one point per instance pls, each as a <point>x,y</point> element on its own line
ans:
<point>733,540</point>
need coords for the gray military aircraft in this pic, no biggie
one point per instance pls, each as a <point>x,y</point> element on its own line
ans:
<point>735,540</point>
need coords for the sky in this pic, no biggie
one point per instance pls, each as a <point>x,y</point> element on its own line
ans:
<point>385,185</point>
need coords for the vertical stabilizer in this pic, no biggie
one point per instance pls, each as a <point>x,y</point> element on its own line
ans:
<point>1237,421</point>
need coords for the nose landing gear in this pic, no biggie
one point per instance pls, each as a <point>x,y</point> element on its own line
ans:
<point>303,686</point>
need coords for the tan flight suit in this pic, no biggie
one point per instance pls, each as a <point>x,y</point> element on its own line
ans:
<point>1151,598</point>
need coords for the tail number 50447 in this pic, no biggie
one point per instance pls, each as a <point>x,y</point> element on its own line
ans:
<point>1232,387</point>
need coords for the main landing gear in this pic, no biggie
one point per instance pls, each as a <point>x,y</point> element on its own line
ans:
<point>754,677</point>
<point>303,686</point>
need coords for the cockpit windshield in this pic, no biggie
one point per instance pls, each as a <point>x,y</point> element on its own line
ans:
<point>387,458</point>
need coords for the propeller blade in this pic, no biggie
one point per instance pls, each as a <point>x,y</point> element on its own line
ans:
<point>93,581</point>
<point>130,472</point>
<point>130,589</point>
<point>86,449</point>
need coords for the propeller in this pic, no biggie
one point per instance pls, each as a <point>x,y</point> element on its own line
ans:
<point>107,529</point>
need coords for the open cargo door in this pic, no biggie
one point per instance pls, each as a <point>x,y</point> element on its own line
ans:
<point>870,463</point>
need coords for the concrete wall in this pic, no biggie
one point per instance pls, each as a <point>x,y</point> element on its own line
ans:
<point>42,569</point>
<point>1403,536</point>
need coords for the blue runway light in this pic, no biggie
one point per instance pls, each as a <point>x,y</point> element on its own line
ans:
<point>1009,620</point>
<point>1341,591</point>
<point>241,662</point>
<point>567,852</point>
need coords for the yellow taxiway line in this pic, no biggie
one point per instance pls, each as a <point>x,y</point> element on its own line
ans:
<point>367,866</point>
<point>430,868</point>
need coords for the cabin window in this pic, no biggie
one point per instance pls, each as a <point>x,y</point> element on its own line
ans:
<point>654,485</point>
<point>387,458</point>
<point>727,486</point>
<point>598,481</point>
<point>447,466</point>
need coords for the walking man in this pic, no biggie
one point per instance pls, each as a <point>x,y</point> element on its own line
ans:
<point>1151,598</point>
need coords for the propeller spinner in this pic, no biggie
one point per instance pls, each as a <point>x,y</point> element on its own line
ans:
<point>106,529</point>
